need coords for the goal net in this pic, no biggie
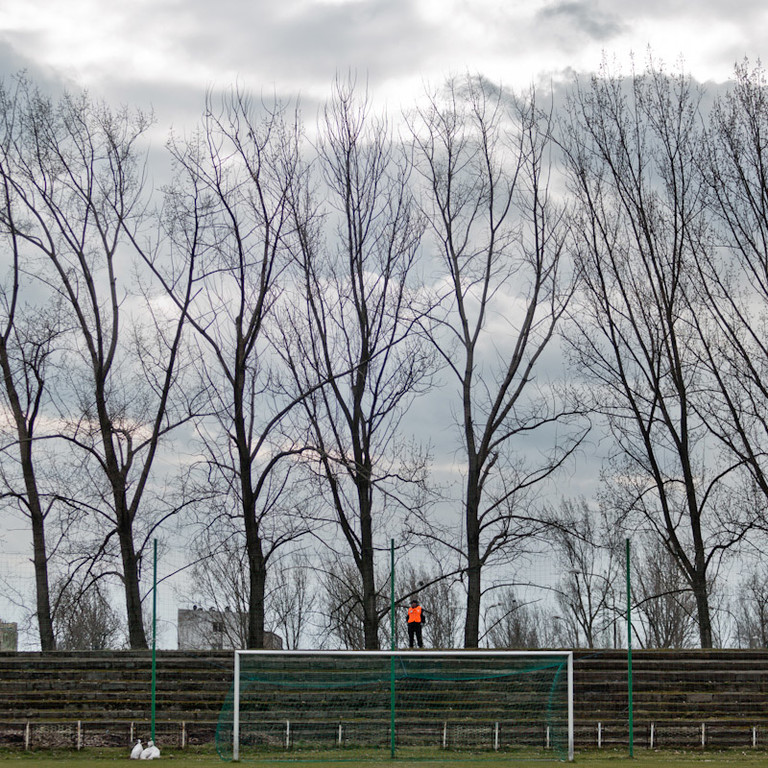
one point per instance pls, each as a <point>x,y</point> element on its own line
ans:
<point>327,704</point>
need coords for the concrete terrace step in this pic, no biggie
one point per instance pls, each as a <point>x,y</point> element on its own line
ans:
<point>104,685</point>
<point>668,685</point>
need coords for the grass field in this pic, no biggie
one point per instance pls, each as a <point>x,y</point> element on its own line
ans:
<point>604,759</point>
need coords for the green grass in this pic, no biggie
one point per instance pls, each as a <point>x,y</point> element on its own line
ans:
<point>104,758</point>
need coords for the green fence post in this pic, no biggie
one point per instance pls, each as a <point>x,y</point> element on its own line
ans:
<point>392,648</point>
<point>154,638</point>
<point>629,659</point>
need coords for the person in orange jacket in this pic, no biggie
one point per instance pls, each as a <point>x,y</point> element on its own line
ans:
<point>415,622</point>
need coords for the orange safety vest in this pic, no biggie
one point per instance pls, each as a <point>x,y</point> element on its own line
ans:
<point>414,615</point>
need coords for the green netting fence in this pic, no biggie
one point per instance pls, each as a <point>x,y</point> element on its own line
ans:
<point>415,704</point>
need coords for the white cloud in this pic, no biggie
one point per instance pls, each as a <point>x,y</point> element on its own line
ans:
<point>168,52</point>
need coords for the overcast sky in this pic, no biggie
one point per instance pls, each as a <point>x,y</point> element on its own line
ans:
<point>166,53</point>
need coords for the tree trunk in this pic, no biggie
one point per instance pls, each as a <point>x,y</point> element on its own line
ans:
<point>474,568</point>
<point>370,615</point>
<point>40,559</point>
<point>137,638</point>
<point>701,594</point>
<point>36,514</point>
<point>257,582</point>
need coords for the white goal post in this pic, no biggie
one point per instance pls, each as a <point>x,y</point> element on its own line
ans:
<point>415,703</point>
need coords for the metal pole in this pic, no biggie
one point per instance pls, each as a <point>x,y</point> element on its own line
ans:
<point>392,648</point>
<point>570,707</point>
<point>236,712</point>
<point>629,659</point>
<point>392,593</point>
<point>154,637</point>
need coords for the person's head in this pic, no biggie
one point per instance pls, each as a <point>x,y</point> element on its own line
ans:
<point>414,602</point>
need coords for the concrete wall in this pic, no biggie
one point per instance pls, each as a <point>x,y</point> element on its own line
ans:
<point>9,636</point>
<point>201,629</point>
<point>676,693</point>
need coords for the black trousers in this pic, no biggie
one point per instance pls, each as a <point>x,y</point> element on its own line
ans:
<point>414,630</point>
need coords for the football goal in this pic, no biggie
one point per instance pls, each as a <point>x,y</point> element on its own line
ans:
<point>405,704</point>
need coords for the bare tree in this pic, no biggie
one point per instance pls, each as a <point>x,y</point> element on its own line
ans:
<point>513,623</point>
<point>440,597</point>
<point>85,621</point>
<point>219,579</point>
<point>751,611</point>
<point>27,341</point>
<point>588,555</point>
<point>73,172</point>
<point>349,341</point>
<point>226,214</point>
<point>662,600</point>
<point>734,277</point>
<point>500,240</point>
<point>342,604</point>
<point>291,599</point>
<point>442,601</point>
<point>31,330</point>
<point>631,149</point>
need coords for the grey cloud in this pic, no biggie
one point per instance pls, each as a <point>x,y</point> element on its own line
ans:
<point>584,17</point>
<point>599,15</point>
<point>268,40</point>
<point>13,62</point>
<point>735,10</point>
<point>383,33</point>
